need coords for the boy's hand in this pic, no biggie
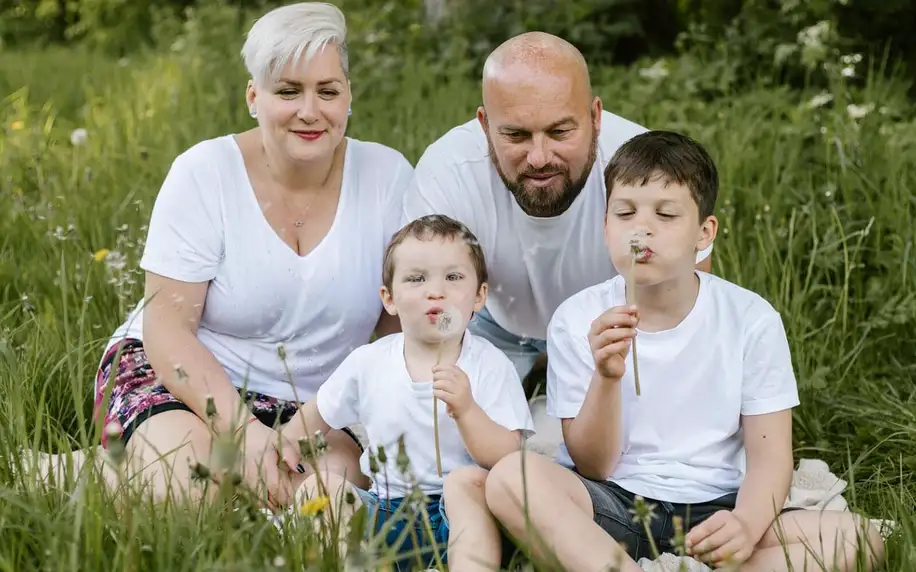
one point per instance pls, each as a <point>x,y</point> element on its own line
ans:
<point>451,385</point>
<point>721,540</point>
<point>610,337</point>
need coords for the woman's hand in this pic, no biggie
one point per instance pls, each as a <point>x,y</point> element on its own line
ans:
<point>268,463</point>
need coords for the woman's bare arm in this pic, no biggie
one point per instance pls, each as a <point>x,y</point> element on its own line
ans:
<point>186,368</point>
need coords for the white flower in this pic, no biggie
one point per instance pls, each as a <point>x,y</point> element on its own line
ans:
<point>820,100</point>
<point>658,70</point>
<point>814,36</point>
<point>859,111</point>
<point>848,71</point>
<point>79,136</point>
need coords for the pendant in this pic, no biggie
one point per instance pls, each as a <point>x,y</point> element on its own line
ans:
<point>299,223</point>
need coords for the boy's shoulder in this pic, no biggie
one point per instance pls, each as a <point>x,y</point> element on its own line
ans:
<point>734,302</point>
<point>576,314</point>
<point>482,352</point>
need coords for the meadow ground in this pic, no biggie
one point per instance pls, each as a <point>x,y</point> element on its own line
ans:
<point>816,206</point>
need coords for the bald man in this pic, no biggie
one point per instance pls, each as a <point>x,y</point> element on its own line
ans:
<point>526,176</point>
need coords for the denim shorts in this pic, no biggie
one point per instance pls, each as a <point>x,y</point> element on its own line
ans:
<point>406,530</point>
<point>613,504</point>
<point>523,352</point>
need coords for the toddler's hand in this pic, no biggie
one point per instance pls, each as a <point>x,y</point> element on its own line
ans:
<point>451,385</point>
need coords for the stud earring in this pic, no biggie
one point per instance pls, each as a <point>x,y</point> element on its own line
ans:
<point>252,113</point>
<point>349,111</point>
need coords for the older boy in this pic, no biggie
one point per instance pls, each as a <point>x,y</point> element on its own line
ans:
<point>709,439</point>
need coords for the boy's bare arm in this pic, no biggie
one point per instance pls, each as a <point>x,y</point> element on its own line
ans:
<point>486,440</point>
<point>594,437</point>
<point>768,444</point>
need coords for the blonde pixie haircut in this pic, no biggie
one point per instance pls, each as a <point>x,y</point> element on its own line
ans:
<point>288,33</point>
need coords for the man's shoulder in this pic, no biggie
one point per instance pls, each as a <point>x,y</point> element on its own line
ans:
<point>615,131</point>
<point>463,144</point>
<point>576,314</point>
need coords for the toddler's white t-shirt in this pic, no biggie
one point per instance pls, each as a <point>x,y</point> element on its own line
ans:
<point>534,263</point>
<point>682,439</point>
<point>372,387</point>
<point>207,225</point>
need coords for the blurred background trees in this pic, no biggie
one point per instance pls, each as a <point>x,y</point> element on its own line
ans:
<point>732,43</point>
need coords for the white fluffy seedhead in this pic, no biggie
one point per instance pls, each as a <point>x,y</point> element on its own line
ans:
<point>636,240</point>
<point>286,34</point>
<point>447,322</point>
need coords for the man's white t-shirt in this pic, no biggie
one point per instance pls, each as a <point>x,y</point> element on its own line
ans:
<point>534,263</point>
<point>207,225</point>
<point>372,387</point>
<point>682,439</point>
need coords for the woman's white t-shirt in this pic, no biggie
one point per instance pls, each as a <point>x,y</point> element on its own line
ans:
<point>207,225</point>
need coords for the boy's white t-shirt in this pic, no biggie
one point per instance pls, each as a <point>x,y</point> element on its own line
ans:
<point>682,439</point>
<point>534,263</point>
<point>207,225</point>
<point>372,387</point>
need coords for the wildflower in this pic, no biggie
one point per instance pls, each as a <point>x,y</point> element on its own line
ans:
<point>79,136</point>
<point>17,125</point>
<point>658,70</point>
<point>820,100</point>
<point>859,111</point>
<point>315,506</point>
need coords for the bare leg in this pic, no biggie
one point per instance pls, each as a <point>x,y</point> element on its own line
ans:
<point>342,458</point>
<point>473,538</point>
<point>560,514</point>
<point>816,540</point>
<point>337,515</point>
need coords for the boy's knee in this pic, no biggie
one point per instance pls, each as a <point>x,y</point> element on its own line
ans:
<point>504,485</point>
<point>465,480</point>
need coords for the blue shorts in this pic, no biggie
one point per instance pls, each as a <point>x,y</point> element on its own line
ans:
<point>406,531</point>
<point>523,352</point>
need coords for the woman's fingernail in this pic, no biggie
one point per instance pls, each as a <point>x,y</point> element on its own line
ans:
<point>300,468</point>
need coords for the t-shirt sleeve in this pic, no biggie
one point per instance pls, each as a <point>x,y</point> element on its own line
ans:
<point>338,397</point>
<point>570,367</point>
<point>185,237</point>
<point>501,395</point>
<point>393,207</point>
<point>769,383</point>
<point>439,187</point>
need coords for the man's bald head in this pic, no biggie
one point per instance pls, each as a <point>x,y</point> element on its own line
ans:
<point>541,120</point>
<point>528,60</point>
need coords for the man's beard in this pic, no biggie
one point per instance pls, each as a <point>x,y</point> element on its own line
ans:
<point>546,202</point>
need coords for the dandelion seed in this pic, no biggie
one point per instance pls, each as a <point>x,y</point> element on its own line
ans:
<point>78,136</point>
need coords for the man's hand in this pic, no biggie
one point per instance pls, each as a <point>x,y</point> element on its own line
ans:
<point>720,540</point>
<point>610,339</point>
<point>451,385</point>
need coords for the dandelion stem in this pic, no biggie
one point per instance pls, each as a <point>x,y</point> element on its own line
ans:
<point>631,295</point>
<point>436,419</point>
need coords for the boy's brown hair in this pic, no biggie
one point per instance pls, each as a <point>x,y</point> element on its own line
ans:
<point>675,157</point>
<point>427,228</point>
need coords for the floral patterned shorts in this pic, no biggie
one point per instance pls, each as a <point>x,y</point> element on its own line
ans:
<point>137,394</point>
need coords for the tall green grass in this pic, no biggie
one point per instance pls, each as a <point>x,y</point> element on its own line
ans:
<point>815,214</point>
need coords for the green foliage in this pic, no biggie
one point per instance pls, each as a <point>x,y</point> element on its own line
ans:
<point>817,165</point>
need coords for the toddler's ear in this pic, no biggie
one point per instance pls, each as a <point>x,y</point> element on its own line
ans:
<point>708,231</point>
<point>388,301</point>
<point>481,299</point>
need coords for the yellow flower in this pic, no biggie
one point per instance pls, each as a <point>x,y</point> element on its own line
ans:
<point>314,506</point>
<point>100,254</point>
<point>17,125</point>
